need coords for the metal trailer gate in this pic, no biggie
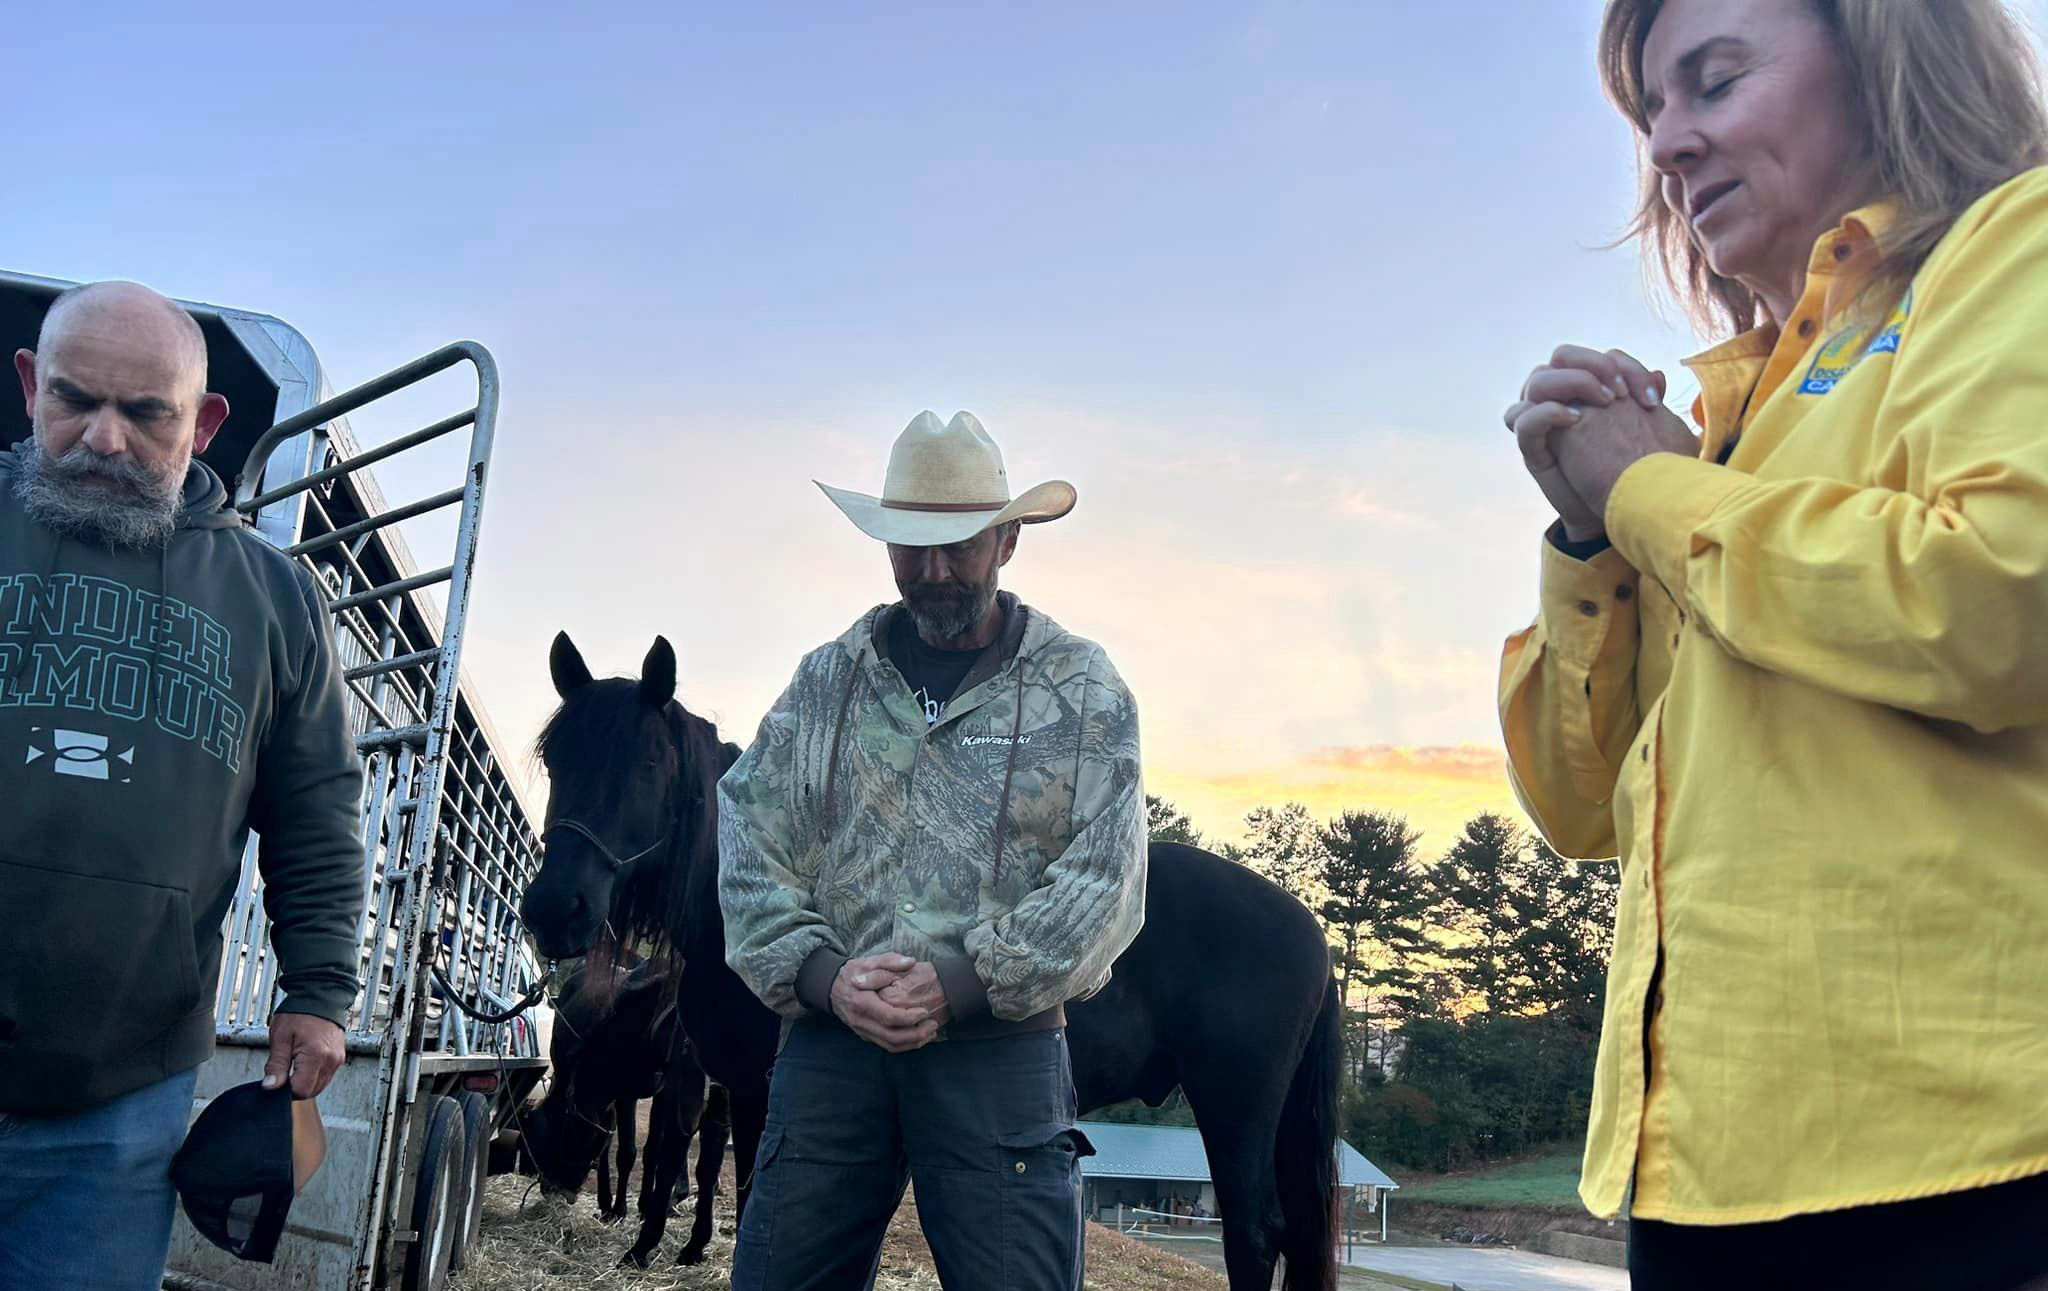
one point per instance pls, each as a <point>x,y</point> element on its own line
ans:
<point>448,844</point>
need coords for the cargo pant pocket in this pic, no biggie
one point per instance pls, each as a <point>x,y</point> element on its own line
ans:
<point>756,1234</point>
<point>1038,1184</point>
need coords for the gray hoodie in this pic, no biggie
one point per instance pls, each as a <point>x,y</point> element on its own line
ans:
<point>155,705</point>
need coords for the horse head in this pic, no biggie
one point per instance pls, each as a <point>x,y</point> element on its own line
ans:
<point>630,808</point>
<point>559,1146</point>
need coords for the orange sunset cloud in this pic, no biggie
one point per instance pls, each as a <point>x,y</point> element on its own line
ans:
<point>1438,788</point>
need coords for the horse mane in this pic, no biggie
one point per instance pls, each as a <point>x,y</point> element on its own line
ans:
<point>689,916</point>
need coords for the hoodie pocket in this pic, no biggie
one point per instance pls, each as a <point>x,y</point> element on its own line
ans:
<point>94,969</point>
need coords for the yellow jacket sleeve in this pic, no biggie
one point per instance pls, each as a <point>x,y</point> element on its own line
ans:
<point>1924,587</point>
<point>1568,699</point>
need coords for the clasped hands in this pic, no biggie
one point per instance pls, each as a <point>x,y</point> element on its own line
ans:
<point>1583,419</point>
<point>890,1000</point>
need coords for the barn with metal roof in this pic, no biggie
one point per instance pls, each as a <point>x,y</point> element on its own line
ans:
<point>1162,1171</point>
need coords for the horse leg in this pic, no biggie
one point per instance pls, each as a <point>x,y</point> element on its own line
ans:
<point>626,1113</point>
<point>1239,1121</point>
<point>657,1144</point>
<point>682,1179</point>
<point>713,1129</point>
<point>676,1107</point>
<point>718,1108</point>
<point>604,1167</point>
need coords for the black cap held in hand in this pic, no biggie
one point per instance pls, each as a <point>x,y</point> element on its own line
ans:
<point>244,1159</point>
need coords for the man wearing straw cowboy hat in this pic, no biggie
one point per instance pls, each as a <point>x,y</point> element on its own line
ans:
<point>936,841</point>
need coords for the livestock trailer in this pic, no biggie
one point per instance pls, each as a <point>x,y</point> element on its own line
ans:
<point>444,1041</point>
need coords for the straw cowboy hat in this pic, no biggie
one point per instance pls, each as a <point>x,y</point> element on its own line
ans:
<point>946,484</point>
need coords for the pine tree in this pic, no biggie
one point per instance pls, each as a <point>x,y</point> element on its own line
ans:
<point>1283,845</point>
<point>1480,897</point>
<point>1166,823</point>
<point>1562,949</point>
<point>1374,906</point>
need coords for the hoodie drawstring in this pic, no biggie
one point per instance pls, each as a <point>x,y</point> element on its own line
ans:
<point>191,510</point>
<point>1002,823</point>
<point>35,632</point>
<point>838,729</point>
<point>1009,771</point>
<point>156,639</point>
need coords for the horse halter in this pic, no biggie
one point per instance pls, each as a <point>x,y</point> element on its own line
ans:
<point>612,858</point>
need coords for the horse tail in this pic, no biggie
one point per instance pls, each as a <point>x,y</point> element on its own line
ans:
<point>1305,1159</point>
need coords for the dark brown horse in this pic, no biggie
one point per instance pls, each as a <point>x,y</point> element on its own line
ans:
<point>605,1030</point>
<point>616,1042</point>
<point>1226,993</point>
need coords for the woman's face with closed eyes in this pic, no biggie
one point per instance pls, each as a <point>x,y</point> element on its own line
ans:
<point>1755,135</point>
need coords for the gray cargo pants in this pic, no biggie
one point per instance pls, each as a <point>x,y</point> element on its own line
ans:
<point>983,1127</point>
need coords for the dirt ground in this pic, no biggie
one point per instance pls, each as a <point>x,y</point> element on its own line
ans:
<point>531,1243</point>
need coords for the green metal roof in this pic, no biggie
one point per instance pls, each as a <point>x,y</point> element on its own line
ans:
<point>1172,1152</point>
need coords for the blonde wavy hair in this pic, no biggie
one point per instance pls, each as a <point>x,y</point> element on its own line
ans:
<point>1950,97</point>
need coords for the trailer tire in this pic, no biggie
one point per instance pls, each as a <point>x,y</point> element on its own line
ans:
<point>476,1167</point>
<point>436,1199</point>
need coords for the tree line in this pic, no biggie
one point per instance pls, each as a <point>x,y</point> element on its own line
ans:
<point>1473,981</point>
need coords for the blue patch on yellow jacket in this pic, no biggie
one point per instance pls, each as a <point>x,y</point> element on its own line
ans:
<point>1843,352</point>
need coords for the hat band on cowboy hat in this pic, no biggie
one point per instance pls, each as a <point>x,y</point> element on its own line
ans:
<point>945,484</point>
<point>893,504</point>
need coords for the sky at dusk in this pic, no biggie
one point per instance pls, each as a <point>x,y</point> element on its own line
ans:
<point>1258,279</point>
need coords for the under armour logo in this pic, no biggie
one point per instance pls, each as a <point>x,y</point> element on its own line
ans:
<point>79,753</point>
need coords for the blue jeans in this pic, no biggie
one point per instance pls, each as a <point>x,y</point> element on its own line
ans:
<point>984,1127</point>
<point>86,1199</point>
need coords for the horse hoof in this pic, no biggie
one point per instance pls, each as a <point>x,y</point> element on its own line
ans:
<point>689,1256</point>
<point>635,1258</point>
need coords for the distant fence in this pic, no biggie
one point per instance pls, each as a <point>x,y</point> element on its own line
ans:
<point>1133,1221</point>
<point>1158,1226</point>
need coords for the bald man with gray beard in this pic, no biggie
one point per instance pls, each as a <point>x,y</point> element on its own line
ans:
<point>167,684</point>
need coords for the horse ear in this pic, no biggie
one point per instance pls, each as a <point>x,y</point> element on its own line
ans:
<point>658,675</point>
<point>566,666</point>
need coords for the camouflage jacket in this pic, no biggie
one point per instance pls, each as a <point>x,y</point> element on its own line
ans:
<point>1005,844</point>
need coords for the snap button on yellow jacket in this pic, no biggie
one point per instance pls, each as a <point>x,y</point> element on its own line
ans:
<point>1804,699</point>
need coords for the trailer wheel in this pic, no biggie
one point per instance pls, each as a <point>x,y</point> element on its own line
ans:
<point>476,1166</point>
<point>436,1199</point>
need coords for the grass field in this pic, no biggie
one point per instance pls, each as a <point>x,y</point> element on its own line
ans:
<point>1547,1182</point>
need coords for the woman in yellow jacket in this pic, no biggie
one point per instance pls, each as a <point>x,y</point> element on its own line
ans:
<point>1793,670</point>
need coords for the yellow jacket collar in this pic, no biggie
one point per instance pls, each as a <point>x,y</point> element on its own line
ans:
<point>1728,372</point>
